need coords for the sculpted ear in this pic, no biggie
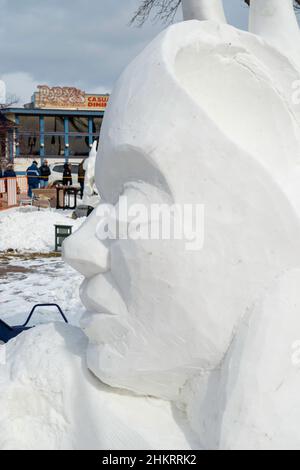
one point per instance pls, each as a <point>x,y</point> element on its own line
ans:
<point>235,89</point>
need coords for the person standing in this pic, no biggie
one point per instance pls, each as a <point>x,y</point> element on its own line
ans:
<point>1,171</point>
<point>10,172</point>
<point>67,175</point>
<point>33,177</point>
<point>45,172</point>
<point>81,177</point>
<point>2,185</point>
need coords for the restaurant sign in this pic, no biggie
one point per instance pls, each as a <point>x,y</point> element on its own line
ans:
<point>68,98</point>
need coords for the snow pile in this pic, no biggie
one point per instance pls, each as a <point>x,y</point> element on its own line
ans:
<point>33,230</point>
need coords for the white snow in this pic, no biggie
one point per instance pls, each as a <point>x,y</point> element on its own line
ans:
<point>252,401</point>
<point>46,280</point>
<point>275,21</point>
<point>29,230</point>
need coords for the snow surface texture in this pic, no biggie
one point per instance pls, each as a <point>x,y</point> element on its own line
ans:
<point>275,21</point>
<point>29,230</point>
<point>252,401</point>
<point>208,332</point>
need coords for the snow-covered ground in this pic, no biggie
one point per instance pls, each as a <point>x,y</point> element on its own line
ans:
<point>27,229</point>
<point>46,280</point>
<point>25,282</point>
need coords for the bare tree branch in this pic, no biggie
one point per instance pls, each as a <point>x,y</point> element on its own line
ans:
<point>166,11</point>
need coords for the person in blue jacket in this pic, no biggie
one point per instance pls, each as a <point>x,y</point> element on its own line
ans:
<point>33,177</point>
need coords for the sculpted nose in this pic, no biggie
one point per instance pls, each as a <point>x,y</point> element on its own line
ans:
<point>84,252</point>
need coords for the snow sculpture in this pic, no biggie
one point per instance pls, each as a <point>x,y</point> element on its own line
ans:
<point>151,330</point>
<point>90,195</point>
<point>197,330</point>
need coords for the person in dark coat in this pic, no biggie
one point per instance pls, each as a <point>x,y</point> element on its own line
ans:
<point>1,187</point>
<point>67,175</point>
<point>45,172</point>
<point>81,176</point>
<point>9,172</point>
<point>33,177</point>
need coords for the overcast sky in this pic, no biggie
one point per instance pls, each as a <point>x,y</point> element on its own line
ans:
<point>82,43</point>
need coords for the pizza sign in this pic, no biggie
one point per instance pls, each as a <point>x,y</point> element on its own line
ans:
<point>57,97</point>
<point>68,98</point>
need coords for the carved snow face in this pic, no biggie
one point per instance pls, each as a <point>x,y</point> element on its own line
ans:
<point>183,126</point>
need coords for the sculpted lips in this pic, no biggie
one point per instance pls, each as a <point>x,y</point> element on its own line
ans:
<point>107,324</point>
<point>99,294</point>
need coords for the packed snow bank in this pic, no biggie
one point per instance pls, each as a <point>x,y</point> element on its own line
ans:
<point>32,230</point>
<point>49,400</point>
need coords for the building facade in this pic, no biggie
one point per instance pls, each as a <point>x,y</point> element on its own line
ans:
<point>60,124</point>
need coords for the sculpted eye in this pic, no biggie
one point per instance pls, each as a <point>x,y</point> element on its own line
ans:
<point>133,166</point>
<point>136,200</point>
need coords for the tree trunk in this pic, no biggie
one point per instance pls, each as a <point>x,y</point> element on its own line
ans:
<point>275,21</point>
<point>203,10</point>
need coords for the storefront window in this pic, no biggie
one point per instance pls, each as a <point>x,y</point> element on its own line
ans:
<point>79,146</point>
<point>29,145</point>
<point>30,124</point>
<point>97,122</point>
<point>54,145</point>
<point>78,125</point>
<point>54,124</point>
